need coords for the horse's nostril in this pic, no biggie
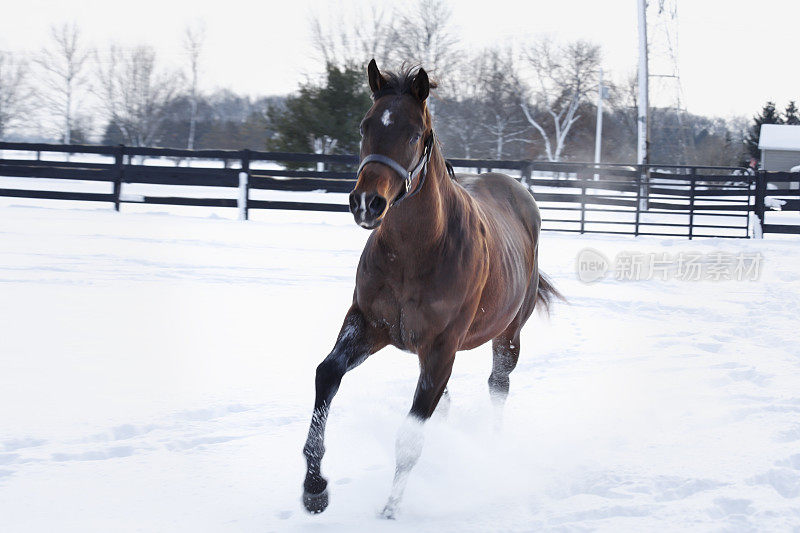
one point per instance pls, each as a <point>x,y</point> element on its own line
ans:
<point>376,205</point>
<point>353,202</point>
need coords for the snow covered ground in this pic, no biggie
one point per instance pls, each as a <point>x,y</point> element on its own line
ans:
<point>156,374</point>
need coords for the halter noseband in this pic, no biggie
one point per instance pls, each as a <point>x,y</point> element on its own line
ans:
<point>408,176</point>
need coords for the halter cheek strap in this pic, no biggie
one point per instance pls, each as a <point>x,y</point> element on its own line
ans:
<point>408,176</point>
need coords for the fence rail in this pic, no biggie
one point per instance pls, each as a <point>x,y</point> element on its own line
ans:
<point>670,200</point>
<point>778,192</point>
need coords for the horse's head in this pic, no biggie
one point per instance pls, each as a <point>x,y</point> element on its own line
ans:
<point>395,129</point>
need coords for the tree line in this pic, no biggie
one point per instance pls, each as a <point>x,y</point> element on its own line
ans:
<point>532,101</point>
<point>125,95</point>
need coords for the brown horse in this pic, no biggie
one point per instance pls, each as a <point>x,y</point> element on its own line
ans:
<point>451,264</point>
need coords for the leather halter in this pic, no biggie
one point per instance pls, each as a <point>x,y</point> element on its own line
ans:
<point>421,168</point>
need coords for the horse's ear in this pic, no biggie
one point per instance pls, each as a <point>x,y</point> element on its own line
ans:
<point>421,86</point>
<point>376,79</point>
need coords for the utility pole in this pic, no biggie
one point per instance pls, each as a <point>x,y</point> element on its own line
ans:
<point>598,135</point>
<point>643,140</point>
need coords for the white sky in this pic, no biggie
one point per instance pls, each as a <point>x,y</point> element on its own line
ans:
<point>734,54</point>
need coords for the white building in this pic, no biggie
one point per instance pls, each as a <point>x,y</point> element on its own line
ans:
<point>780,147</point>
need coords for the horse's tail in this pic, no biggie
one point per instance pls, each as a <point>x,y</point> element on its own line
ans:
<point>546,294</point>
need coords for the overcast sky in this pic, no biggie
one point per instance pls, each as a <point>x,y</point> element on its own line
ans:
<point>733,54</point>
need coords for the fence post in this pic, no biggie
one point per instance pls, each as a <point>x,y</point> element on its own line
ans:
<point>526,174</point>
<point>692,181</point>
<point>644,187</point>
<point>583,203</point>
<point>119,169</point>
<point>761,194</point>
<point>638,199</point>
<point>244,185</point>
<point>749,214</point>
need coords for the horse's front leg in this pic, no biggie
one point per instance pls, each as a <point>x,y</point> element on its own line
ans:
<point>435,367</point>
<point>357,340</point>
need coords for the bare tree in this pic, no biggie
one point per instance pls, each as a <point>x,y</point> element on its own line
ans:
<point>461,102</point>
<point>353,38</point>
<point>500,99</point>
<point>14,94</point>
<point>194,38</point>
<point>624,99</point>
<point>460,131</point>
<point>424,36</point>
<point>135,94</point>
<point>564,75</point>
<point>64,76</point>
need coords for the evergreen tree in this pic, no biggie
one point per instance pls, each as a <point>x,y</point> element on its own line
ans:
<point>112,135</point>
<point>791,116</point>
<point>768,115</point>
<point>322,118</point>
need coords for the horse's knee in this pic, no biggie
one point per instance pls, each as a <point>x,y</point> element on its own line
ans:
<point>328,369</point>
<point>329,373</point>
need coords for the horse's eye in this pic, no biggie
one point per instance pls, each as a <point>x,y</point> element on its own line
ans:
<point>414,139</point>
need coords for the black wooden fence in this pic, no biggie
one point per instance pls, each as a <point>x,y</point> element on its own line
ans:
<point>576,197</point>
<point>663,200</point>
<point>778,193</point>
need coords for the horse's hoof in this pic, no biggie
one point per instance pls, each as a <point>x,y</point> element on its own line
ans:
<point>315,503</point>
<point>388,513</point>
<point>315,494</point>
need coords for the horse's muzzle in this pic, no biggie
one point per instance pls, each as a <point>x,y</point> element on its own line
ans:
<point>367,208</point>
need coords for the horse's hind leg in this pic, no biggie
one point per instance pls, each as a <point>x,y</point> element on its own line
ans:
<point>356,341</point>
<point>505,354</point>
